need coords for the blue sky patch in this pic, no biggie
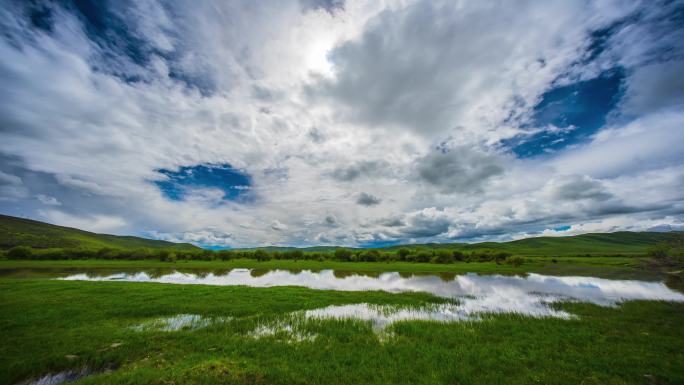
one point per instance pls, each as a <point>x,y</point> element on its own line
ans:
<point>562,228</point>
<point>568,115</point>
<point>234,183</point>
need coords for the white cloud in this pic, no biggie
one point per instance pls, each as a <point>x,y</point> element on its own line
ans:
<point>48,200</point>
<point>403,101</point>
<point>94,223</point>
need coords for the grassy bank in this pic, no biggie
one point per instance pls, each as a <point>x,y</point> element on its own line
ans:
<point>609,267</point>
<point>50,325</point>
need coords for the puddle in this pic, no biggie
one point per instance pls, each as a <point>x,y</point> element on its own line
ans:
<point>382,316</point>
<point>287,331</point>
<point>59,378</point>
<point>179,322</point>
<point>66,376</point>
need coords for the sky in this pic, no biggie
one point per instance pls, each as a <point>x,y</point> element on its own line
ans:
<point>331,122</point>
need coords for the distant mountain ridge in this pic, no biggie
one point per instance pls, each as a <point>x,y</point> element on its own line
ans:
<point>16,231</point>
<point>622,242</point>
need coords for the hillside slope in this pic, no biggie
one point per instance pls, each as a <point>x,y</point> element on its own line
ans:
<point>622,242</point>
<point>25,232</point>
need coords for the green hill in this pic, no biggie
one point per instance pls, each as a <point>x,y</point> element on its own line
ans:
<point>25,232</point>
<point>622,242</point>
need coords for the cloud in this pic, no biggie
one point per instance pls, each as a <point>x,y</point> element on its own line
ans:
<point>428,222</point>
<point>578,187</point>
<point>207,237</point>
<point>48,200</point>
<point>11,187</point>
<point>330,220</point>
<point>364,168</point>
<point>332,108</point>
<point>94,223</point>
<point>458,169</point>
<point>434,65</point>
<point>327,5</point>
<point>278,226</point>
<point>366,199</point>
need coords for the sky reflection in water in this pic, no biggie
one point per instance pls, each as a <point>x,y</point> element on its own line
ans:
<point>528,295</point>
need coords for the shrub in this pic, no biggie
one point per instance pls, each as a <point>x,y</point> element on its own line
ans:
<point>295,254</point>
<point>20,252</point>
<point>261,255</point>
<point>515,260</point>
<point>668,252</point>
<point>501,256</point>
<point>166,255</point>
<point>403,253</point>
<point>343,254</point>
<point>423,256</point>
<point>444,256</point>
<point>481,256</point>
<point>458,255</point>
<point>226,255</point>
<point>108,253</point>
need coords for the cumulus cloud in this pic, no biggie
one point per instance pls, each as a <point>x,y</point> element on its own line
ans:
<point>578,187</point>
<point>365,199</point>
<point>356,122</point>
<point>95,223</point>
<point>432,66</point>
<point>278,226</point>
<point>365,168</point>
<point>459,169</point>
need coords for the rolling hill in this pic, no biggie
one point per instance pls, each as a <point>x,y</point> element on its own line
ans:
<point>623,242</point>
<point>25,232</point>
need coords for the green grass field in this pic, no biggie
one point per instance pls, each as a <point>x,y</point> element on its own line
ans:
<point>608,267</point>
<point>23,232</point>
<point>55,325</point>
<point>48,326</point>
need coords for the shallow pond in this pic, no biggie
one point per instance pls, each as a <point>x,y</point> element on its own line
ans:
<point>528,295</point>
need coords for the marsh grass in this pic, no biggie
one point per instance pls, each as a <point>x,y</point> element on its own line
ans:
<point>43,321</point>
<point>607,267</point>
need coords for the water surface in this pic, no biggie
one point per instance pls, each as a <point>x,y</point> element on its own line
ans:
<point>529,295</point>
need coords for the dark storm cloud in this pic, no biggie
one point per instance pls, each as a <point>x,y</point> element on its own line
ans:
<point>424,226</point>
<point>365,199</point>
<point>330,220</point>
<point>367,168</point>
<point>457,170</point>
<point>578,187</point>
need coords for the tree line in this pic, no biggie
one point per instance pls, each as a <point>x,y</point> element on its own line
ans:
<point>341,254</point>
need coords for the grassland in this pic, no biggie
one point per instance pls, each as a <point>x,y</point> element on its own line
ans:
<point>54,325</point>
<point>38,235</point>
<point>25,232</point>
<point>607,267</point>
<point>51,325</point>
